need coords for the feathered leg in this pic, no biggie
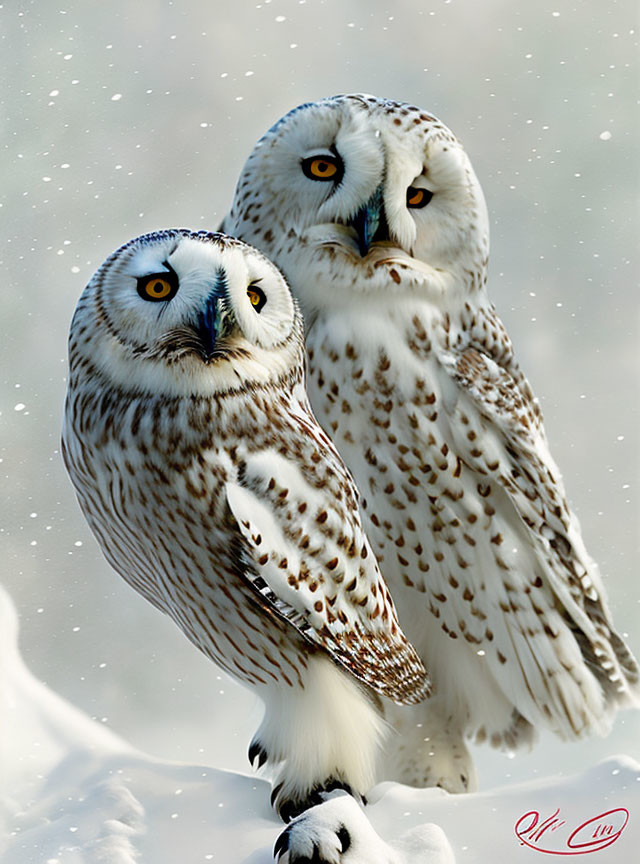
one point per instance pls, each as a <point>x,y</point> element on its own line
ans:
<point>323,737</point>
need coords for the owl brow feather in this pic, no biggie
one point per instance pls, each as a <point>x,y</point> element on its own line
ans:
<point>165,263</point>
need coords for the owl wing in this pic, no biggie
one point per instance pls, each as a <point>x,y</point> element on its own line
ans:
<point>309,561</point>
<point>508,448</point>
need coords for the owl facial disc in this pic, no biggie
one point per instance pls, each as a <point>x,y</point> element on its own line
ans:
<point>363,196</point>
<point>189,312</point>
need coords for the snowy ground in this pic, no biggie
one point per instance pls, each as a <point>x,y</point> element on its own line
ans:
<point>71,792</point>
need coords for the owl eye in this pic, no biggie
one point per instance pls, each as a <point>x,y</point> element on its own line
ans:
<point>158,286</point>
<point>324,167</point>
<point>418,197</point>
<point>256,296</point>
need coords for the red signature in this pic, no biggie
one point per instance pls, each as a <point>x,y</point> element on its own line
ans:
<point>591,836</point>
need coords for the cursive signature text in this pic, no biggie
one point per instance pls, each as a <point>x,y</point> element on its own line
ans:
<point>552,836</point>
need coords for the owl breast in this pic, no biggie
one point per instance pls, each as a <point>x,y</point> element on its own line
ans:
<point>156,503</point>
<point>432,519</point>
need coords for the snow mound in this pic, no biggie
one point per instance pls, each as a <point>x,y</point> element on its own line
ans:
<point>72,792</point>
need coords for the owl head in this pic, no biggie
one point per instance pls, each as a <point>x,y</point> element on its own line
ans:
<point>180,312</point>
<point>363,195</point>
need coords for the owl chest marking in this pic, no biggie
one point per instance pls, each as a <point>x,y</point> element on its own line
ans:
<point>154,495</point>
<point>385,411</point>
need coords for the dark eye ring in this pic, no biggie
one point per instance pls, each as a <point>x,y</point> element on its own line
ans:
<point>158,287</point>
<point>417,197</point>
<point>256,296</point>
<point>324,167</point>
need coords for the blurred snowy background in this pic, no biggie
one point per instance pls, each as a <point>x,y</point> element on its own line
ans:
<point>126,117</point>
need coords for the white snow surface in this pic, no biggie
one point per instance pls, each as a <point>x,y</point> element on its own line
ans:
<point>72,792</point>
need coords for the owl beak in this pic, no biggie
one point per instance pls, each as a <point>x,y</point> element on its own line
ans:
<point>370,222</point>
<point>209,320</point>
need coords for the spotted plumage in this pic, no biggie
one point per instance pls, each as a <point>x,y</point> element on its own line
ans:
<point>213,491</point>
<point>372,210</point>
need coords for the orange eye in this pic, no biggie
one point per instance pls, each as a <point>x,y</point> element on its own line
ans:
<point>418,197</point>
<point>158,286</point>
<point>158,289</point>
<point>256,297</point>
<point>323,167</point>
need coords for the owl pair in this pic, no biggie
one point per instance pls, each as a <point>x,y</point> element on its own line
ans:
<point>215,492</point>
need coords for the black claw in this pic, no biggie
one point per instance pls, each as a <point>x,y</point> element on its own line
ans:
<point>282,844</point>
<point>344,837</point>
<point>256,750</point>
<point>288,810</point>
<point>333,784</point>
<point>275,792</point>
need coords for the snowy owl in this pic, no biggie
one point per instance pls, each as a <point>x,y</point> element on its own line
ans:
<point>373,212</point>
<point>213,491</point>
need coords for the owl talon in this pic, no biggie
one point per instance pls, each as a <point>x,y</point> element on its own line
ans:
<point>274,793</point>
<point>336,839</point>
<point>282,844</point>
<point>291,808</point>
<point>257,751</point>
<point>326,833</point>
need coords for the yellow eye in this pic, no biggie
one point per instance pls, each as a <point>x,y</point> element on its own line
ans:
<point>158,289</point>
<point>323,167</point>
<point>158,286</point>
<point>256,297</point>
<point>418,197</point>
